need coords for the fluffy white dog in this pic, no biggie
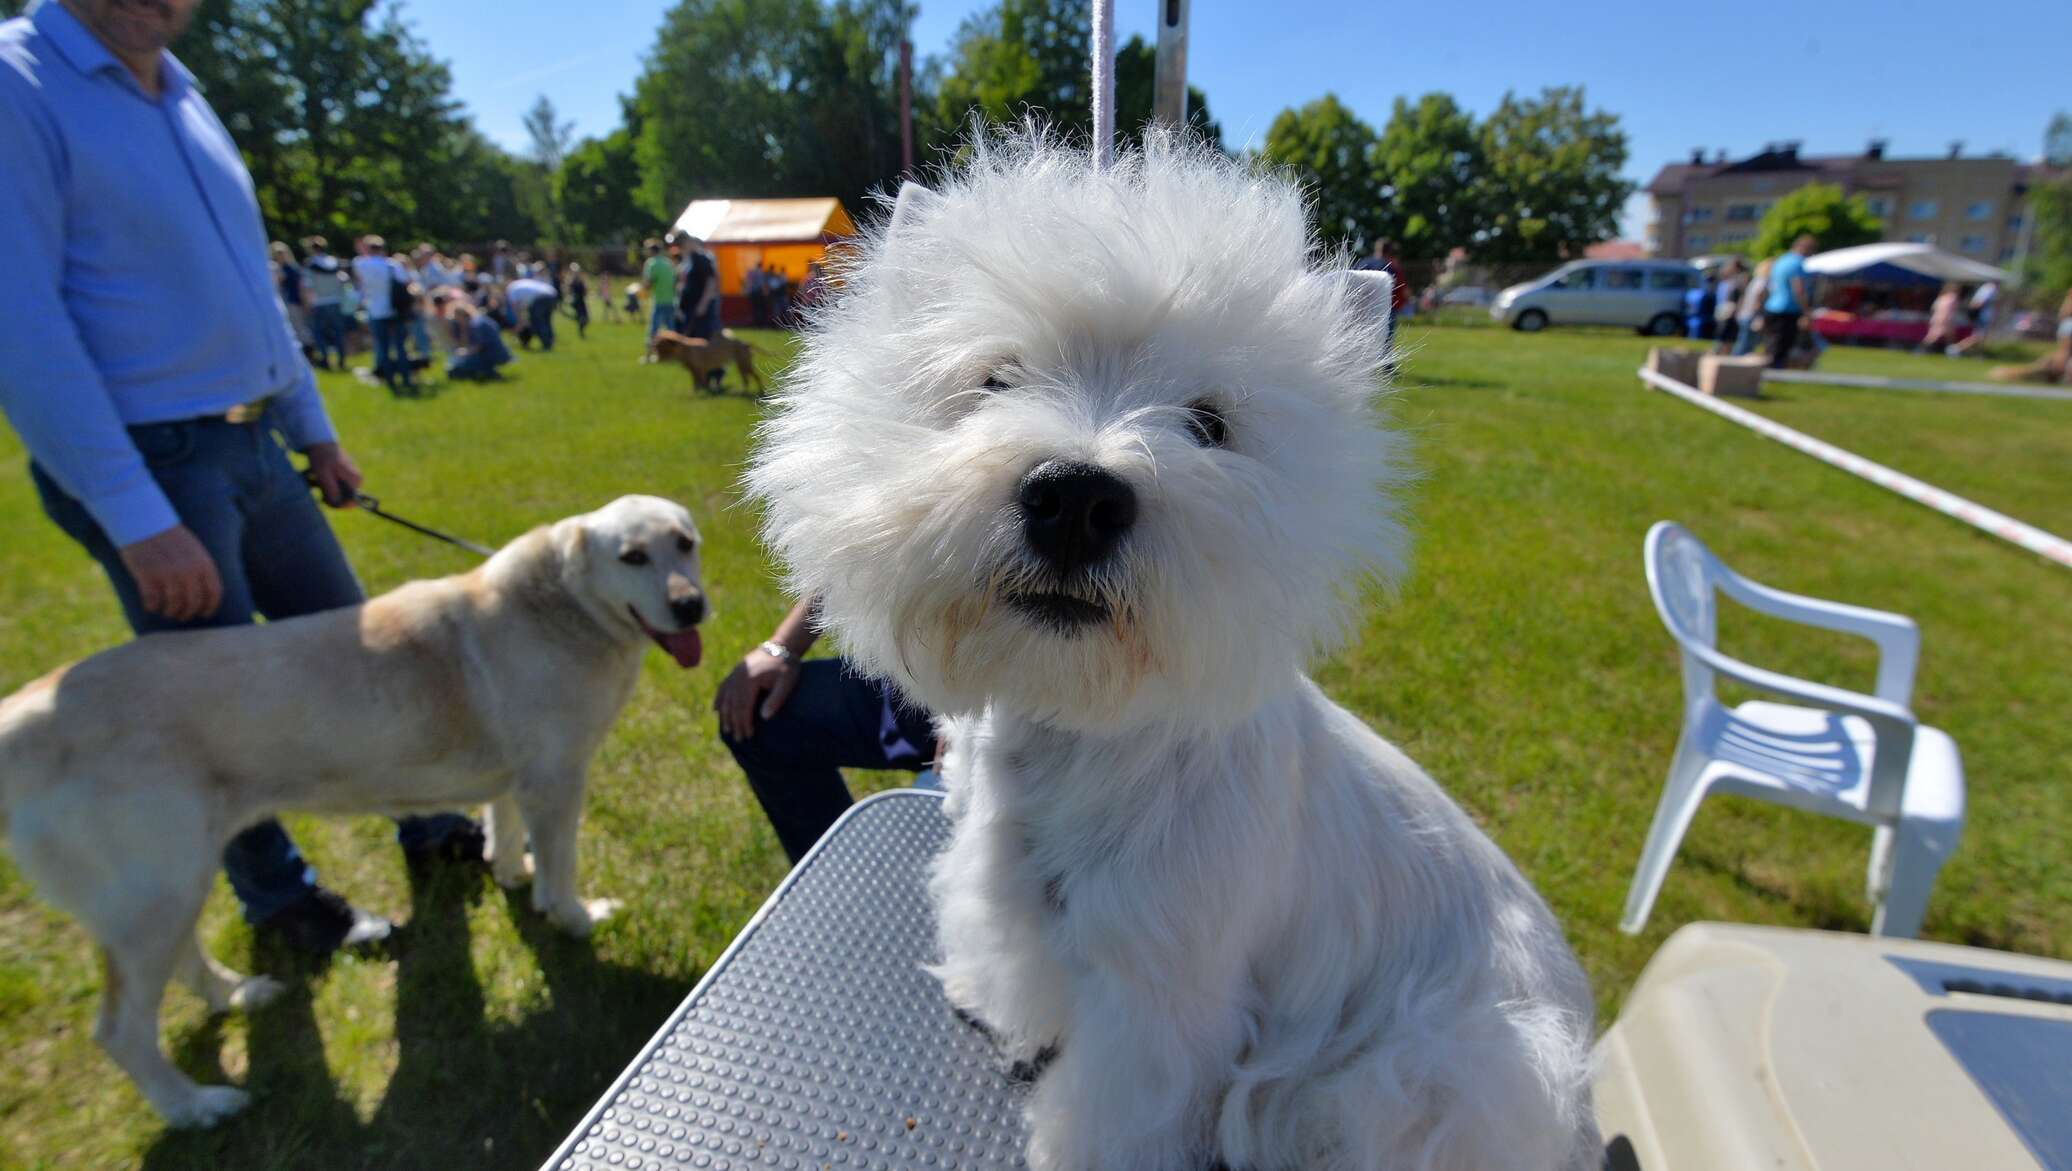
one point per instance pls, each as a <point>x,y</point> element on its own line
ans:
<point>1086,462</point>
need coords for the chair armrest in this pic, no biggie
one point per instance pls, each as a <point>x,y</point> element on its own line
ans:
<point>1897,638</point>
<point>1879,711</point>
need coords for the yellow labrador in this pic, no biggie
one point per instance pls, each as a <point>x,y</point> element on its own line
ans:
<point>122,776</point>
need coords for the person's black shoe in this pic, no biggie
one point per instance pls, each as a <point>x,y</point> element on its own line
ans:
<point>462,845</point>
<point>321,922</point>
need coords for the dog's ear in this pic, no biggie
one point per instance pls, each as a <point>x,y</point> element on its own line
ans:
<point>912,206</point>
<point>1367,294</point>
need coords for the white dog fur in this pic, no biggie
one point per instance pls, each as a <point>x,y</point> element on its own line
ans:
<point>1255,932</point>
<point>122,776</point>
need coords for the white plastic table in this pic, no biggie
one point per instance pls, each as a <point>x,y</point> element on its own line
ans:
<point>816,1042</point>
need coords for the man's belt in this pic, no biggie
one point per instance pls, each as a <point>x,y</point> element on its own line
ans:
<point>242,413</point>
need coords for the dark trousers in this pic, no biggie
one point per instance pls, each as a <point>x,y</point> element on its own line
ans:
<point>391,358</point>
<point>233,486</point>
<point>539,319</point>
<point>1783,329</point>
<point>474,366</point>
<point>580,310</point>
<point>834,719</point>
<point>327,325</point>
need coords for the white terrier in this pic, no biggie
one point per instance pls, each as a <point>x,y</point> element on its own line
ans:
<point>1086,462</point>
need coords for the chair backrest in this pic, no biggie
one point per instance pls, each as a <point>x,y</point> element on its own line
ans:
<point>1683,579</point>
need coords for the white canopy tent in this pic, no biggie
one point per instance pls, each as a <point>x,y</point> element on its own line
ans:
<point>1904,264</point>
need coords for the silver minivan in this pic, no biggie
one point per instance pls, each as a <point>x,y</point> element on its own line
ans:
<point>1647,295</point>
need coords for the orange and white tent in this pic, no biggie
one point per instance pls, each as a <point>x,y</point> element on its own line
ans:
<point>780,234</point>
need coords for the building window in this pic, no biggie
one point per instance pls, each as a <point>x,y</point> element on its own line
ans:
<point>1979,212</point>
<point>1698,215</point>
<point>2014,222</point>
<point>1923,209</point>
<point>2006,253</point>
<point>1742,213</point>
<point>1733,237</point>
<point>1877,205</point>
<point>1697,242</point>
<point>1921,237</point>
<point>1972,244</point>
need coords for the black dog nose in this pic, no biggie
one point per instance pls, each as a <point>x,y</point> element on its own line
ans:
<point>1074,514</point>
<point>688,611</point>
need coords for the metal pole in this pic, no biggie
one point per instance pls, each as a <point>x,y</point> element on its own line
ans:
<point>1169,93</point>
<point>906,106</point>
<point>1103,82</point>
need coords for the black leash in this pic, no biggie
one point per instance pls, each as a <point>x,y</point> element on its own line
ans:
<point>373,505</point>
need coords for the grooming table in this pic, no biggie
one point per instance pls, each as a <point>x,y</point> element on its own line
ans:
<point>816,1041</point>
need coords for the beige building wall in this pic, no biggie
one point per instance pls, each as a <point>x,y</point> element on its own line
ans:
<point>1966,206</point>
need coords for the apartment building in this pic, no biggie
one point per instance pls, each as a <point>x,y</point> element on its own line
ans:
<point>1973,206</point>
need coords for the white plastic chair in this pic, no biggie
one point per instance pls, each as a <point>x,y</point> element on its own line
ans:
<point>1861,757</point>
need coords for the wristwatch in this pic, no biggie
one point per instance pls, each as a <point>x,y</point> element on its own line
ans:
<point>777,651</point>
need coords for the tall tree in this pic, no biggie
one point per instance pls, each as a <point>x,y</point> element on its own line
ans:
<point>598,187</point>
<point>1430,165</point>
<point>1834,219</point>
<point>769,97</point>
<point>2048,268</point>
<point>538,192</point>
<point>346,121</point>
<point>1551,176</point>
<point>2057,140</point>
<point>1017,59</point>
<point>1332,151</point>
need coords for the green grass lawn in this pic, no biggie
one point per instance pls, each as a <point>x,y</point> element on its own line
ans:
<point>1520,662</point>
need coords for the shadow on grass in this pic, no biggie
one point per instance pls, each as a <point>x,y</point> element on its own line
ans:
<point>466,1091</point>
<point>1422,381</point>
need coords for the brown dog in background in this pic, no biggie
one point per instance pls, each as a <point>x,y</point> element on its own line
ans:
<point>707,358</point>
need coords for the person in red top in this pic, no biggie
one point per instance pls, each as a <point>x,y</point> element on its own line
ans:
<point>1384,260</point>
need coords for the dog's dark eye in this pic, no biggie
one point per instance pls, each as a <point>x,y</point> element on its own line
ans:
<point>1208,425</point>
<point>634,557</point>
<point>994,382</point>
<point>684,544</point>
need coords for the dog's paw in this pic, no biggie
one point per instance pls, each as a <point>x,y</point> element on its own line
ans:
<point>207,1106</point>
<point>256,992</point>
<point>511,875</point>
<point>578,918</point>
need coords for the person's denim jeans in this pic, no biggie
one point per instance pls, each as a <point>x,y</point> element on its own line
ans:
<point>834,719</point>
<point>327,324</point>
<point>234,488</point>
<point>662,317</point>
<point>473,366</point>
<point>391,359</point>
<point>420,337</point>
<point>1747,338</point>
<point>539,317</point>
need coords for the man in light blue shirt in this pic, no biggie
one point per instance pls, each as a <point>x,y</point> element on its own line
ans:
<point>147,364</point>
<point>1787,310</point>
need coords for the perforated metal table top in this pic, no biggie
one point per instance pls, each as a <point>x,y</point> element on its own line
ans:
<point>816,1041</point>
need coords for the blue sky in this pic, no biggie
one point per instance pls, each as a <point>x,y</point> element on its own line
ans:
<point>1721,76</point>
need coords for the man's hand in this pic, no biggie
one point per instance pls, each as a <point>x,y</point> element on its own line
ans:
<point>758,677</point>
<point>337,476</point>
<point>176,578</point>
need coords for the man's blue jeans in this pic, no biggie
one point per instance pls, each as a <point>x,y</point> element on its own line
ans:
<point>662,317</point>
<point>391,360</point>
<point>327,325</point>
<point>834,719</point>
<point>233,487</point>
<point>539,317</point>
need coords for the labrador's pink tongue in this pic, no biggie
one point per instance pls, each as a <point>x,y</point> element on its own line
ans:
<point>684,646</point>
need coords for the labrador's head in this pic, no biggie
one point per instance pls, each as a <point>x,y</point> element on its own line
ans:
<point>640,566</point>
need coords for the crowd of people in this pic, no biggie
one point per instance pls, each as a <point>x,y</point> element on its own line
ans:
<point>423,307</point>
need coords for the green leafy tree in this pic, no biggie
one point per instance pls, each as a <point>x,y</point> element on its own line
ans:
<point>1550,177</point>
<point>2057,140</point>
<point>1835,220</point>
<point>2048,267</point>
<point>1332,151</point>
<point>747,98</point>
<point>1019,58</point>
<point>345,120</point>
<point>538,193</point>
<point>1430,165</point>
<point>598,187</point>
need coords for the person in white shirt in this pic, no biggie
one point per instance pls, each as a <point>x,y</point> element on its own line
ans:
<point>532,302</point>
<point>378,276</point>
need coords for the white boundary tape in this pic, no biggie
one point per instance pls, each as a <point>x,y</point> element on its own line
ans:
<point>1978,516</point>
<point>1872,382</point>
